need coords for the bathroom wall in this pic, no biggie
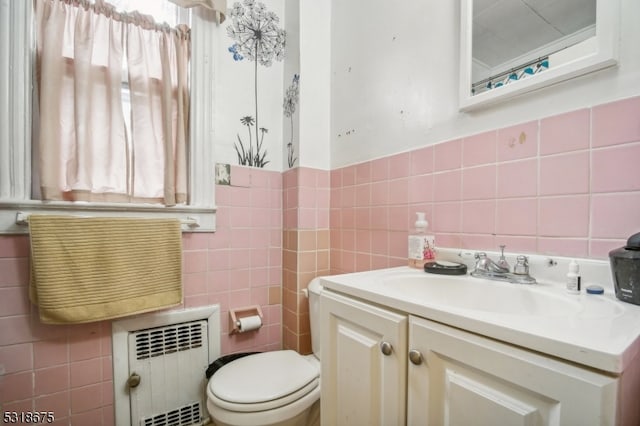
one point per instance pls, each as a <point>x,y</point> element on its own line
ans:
<point>315,84</point>
<point>394,79</point>
<point>567,184</point>
<point>546,172</point>
<point>68,370</point>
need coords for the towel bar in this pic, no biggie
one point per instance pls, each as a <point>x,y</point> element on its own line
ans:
<point>22,218</point>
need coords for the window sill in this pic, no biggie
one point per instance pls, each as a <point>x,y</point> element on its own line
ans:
<point>13,214</point>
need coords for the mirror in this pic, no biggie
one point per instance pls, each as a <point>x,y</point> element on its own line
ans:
<point>510,47</point>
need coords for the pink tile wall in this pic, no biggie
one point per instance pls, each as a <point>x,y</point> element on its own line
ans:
<point>68,369</point>
<point>236,265</point>
<point>306,198</point>
<point>306,194</point>
<point>564,185</point>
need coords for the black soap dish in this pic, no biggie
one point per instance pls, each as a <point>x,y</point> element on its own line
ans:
<point>444,267</point>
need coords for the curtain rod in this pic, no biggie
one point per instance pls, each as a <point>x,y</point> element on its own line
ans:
<point>510,71</point>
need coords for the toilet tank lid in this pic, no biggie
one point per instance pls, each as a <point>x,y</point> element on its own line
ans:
<point>314,286</point>
<point>262,377</point>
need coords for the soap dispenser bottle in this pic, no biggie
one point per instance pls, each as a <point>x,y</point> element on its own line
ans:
<point>421,245</point>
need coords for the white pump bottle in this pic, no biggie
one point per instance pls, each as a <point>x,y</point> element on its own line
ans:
<point>421,245</point>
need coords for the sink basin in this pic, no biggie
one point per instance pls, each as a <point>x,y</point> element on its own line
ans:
<point>473,294</point>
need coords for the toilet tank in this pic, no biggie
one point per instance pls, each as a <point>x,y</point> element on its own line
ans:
<point>314,314</point>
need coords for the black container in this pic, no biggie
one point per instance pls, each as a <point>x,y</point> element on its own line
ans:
<point>625,267</point>
<point>224,360</point>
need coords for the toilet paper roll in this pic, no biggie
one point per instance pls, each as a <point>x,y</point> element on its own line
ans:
<point>249,323</point>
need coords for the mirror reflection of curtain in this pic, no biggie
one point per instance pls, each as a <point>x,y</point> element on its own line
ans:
<point>84,150</point>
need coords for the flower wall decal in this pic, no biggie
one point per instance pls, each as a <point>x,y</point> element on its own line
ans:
<point>248,157</point>
<point>290,101</point>
<point>258,39</point>
<point>236,56</point>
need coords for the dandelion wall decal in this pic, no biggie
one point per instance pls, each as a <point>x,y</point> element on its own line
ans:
<point>257,38</point>
<point>236,56</point>
<point>247,157</point>
<point>290,101</point>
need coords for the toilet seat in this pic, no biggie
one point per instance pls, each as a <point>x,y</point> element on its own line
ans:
<point>263,381</point>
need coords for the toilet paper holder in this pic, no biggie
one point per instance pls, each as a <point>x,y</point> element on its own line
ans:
<point>235,315</point>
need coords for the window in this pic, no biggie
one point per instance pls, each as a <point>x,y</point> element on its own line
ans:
<point>162,11</point>
<point>16,67</point>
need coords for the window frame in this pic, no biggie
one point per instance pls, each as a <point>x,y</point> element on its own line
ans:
<point>17,60</point>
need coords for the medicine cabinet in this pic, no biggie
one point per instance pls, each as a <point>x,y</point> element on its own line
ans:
<point>511,47</point>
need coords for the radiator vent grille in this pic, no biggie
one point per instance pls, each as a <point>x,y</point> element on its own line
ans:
<point>183,416</point>
<point>160,341</point>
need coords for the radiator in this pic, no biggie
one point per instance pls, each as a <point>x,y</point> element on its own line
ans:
<point>170,362</point>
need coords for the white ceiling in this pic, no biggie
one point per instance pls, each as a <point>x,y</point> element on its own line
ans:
<point>505,29</point>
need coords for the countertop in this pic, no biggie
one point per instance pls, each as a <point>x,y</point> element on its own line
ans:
<point>597,331</point>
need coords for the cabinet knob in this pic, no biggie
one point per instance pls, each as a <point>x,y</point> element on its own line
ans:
<point>415,357</point>
<point>134,380</point>
<point>386,348</point>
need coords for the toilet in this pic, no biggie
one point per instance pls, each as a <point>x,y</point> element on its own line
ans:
<point>271,388</point>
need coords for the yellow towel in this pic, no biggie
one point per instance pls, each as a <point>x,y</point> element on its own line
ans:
<point>93,269</point>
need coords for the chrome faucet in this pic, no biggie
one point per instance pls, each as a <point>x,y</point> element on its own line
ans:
<point>487,268</point>
<point>503,261</point>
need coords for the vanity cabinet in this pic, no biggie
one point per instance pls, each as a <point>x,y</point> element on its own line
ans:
<point>461,378</point>
<point>364,369</point>
<point>381,367</point>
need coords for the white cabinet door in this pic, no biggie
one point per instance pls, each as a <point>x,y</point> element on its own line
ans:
<point>363,356</point>
<point>466,379</point>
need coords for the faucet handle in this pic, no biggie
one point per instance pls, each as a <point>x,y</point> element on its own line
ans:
<point>502,262</point>
<point>481,261</point>
<point>522,265</point>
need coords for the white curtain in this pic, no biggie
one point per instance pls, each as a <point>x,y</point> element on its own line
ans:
<point>84,149</point>
<point>158,84</point>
